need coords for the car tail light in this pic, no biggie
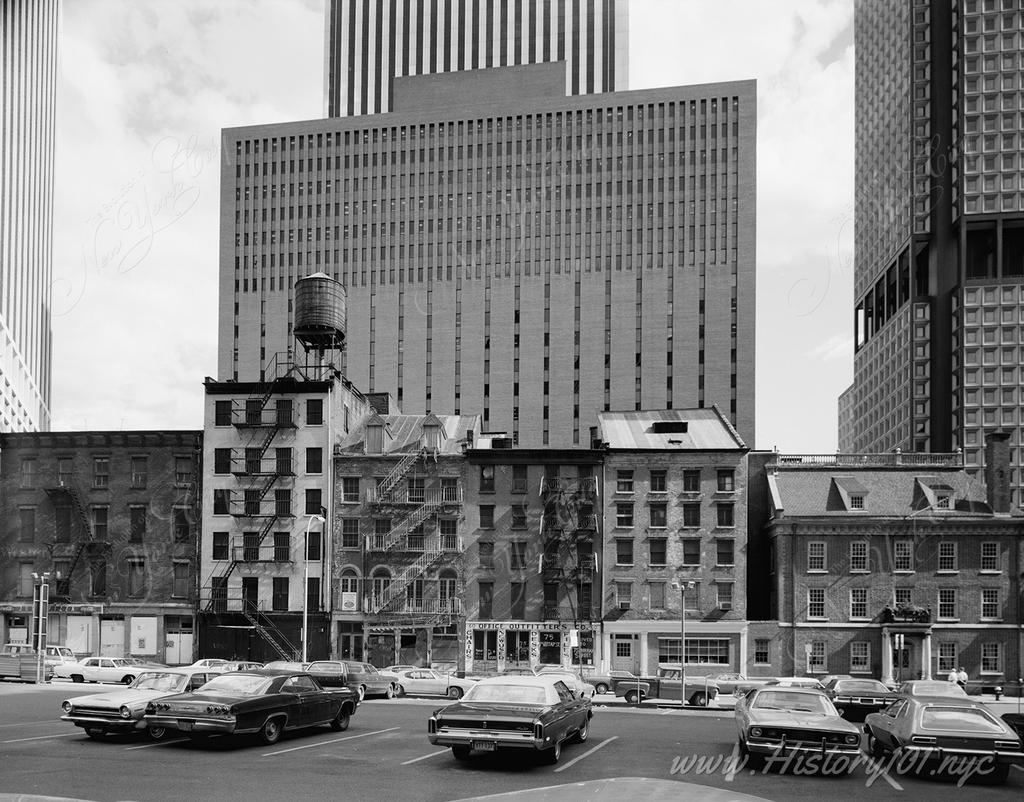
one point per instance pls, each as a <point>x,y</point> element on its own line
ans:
<point>538,731</point>
<point>431,724</point>
<point>923,740</point>
<point>1011,745</point>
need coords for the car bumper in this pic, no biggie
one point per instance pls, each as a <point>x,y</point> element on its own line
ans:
<point>110,724</point>
<point>207,726</point>
<point>768,748</point>
<point>500,740</point>
<point>938,753</point>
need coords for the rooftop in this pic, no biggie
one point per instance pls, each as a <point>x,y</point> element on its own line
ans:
<point>705,428</point>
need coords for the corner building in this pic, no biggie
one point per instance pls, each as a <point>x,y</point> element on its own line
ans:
<point>534,259</point>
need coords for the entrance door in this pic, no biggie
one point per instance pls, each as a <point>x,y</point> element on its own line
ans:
<point>906,662</point>
<point>112,638</point>
<point>179,648</point>
<point>624,653</point>
<point>350,645</point>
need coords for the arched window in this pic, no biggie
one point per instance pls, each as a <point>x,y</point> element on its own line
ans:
<point>381,585</point>
<point>447,583</point>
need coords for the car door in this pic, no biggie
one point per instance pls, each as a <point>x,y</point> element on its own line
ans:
<point>433,682</point>
<point>885,726</point>
<point>297,701</point>
<point>569,711</point>
<point>375,683</point>
<point>100,669</point>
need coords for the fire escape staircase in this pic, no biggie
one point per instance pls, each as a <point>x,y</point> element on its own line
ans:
<point>267,630</point>
<point>61,495</point>
<point>408,523</point>
<point>390,482</point>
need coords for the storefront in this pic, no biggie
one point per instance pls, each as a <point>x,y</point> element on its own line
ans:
<point>499,646</point>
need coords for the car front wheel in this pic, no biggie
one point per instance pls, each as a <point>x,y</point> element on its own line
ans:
<point>633,697</point>
<point>390,693</point>
<point>399,690</point>
<point>600,688</point>
<point>127,679</point>
<point>700,699</point>
<point>455,692</point>
<point>270,732</point>
<point>77,678</point>
<point>584,731</point>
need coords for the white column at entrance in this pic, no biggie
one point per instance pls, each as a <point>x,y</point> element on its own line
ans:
<point>926,656</point>
<point>742,667</point>
<point>886,656</point>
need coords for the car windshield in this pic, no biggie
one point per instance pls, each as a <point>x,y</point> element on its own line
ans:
<point>936,689</point>
<point>325,668</point>
<point>803,702</point>
<point>965,719</point>
<point>160,681</point>
<point>510,694</point>
<point>240,684</point>
<point>860,685</point>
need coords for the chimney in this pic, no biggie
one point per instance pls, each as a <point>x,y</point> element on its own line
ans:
<point>997,471</point>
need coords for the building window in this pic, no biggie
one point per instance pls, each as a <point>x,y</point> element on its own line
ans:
<point>221,502</point>
<point>220,545</point>
<point>815,602</point>
<point>903,596</point>
<point>279,594</point>
<point>623,648</point>
<point>313,541</point>
<point>762,651</point>
<point>725,552</point>
<point>99,522</point>
<point>991,658</point>
<point>27,524</point>
<point>136,523</point>
<point>724,595</point>
<point>726,515</point>
<point>486,478</point>
<point>990,556</point>
<point>136,577</point>
<point>283,461</point>
<point>314,460</point>
<point>669,650</point>
<point>314,504</point>
<point>283,415</point>
<point>658,551</point>
<point>623,595</point>
<point>903,556</point>
<point>101,472</point>
<point>253,460</point>
<point>66,471</point>
<point>856,502</point>
<point>859,557</point>
<point>691,515</point>
<point>417,489</point>
<point>28,473</point>
<point>140,472</point>
<point>314,411</point>
<point>691,551</point>
<point>858,602</point>
<point>98,577</point>
<point>486,591</point>
<point>182,525</point>
<point>517,554</point>
<point>947,556</point>
<point>221,460</point>
<point>381,529</point>
<point>485,551</point>
<point>222,413</point>
<point>659,516</point>
<point>518,516</point>
<point>657,595</point>
<point>350,533</point>
<point>623,551</point>
<point>282,502</point>
<point>517,607</point>
<point>350,489</point>
<point>26,582</point>
<point>624,515</point>
<point>947,657</point>
<point>485,643</point>
<point>448,530</point>
<point>659,481</point>
<point>816,555</point>
<point>707,650</point>
<point>860,655</point>
<point>179,581</point>
<point>282,547</point>
<point>183,473</point>
<point>487,516</point>
<point>691,481</point>
<point>250,547</point>
<point>726,481</point>
<point>947,603</point>
<point>519,480</point>
<point>990,604</point>
<point>816,660</point>
<point>624,481</point>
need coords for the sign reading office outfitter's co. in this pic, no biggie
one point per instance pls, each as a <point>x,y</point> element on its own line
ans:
<point>514,625</point>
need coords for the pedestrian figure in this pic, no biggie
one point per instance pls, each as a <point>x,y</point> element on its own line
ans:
<point>953,675</point>
<point>961,678</point>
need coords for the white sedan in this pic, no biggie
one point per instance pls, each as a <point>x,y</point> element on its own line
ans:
<point>99,669</point>
<point>583,690</point>
<point>212,664</point>
<point>428,682</point>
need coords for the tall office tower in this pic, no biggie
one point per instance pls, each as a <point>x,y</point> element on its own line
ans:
<point>368,43</point>
<point>508,251</point>
<point>28,89</point>
<point>939,273</point>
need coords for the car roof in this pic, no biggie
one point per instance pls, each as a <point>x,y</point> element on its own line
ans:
<point>521,679</point>
<point>791,689</point>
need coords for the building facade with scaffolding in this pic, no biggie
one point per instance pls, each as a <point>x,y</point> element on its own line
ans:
<point>109,521</point>
<point>399,534</point>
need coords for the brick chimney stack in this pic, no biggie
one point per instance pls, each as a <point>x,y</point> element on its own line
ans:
<point>997,471</point>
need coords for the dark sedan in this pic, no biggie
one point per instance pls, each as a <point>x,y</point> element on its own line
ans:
<point>855,698</point>
<point>265,702</point>
<point>516,713</point>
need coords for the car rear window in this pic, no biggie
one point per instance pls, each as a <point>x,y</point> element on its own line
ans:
<point>959,718</point>
<point>512,694</point>
<point>867,686</point>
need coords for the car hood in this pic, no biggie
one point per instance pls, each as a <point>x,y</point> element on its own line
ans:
<point>797,718</point>
<point>115,699</point>
<point>491,710</point>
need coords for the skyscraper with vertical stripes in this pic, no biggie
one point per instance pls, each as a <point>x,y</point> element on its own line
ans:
<point>370,42</point>
<point>28,87</point>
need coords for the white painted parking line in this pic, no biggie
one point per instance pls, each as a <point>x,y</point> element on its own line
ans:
<point>1019,768</point>
<point>39,738</point>
<point>424,757</point>
<point>328,743</point>
<point>605,742</point>
<point>28,723</point>
<point>156,743</point>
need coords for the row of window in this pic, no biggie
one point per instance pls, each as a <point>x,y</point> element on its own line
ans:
<point>946,601</point>
<point>699,651</point>
<point>279,596</point>
<point>903,556</point>
<point>99,520</point>
<point>184,472</point>
<point>415,488</point>
<point>658,480</point>
<point>624,597</point>
<point>134,569</point>
<point>725,515</point>
<point>657,551</point>
<point>253,412</point>
<point>252,503</point>
<point>860,657</point>
<point>252,461</point>
<point>580,601</point>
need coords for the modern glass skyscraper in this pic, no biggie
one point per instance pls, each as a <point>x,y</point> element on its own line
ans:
<point>28,83</point>
<point>939,275</point>
<point>370,42</point>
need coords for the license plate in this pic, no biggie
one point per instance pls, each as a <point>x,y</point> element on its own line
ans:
<point>483,746</point>
<point>186,726</point>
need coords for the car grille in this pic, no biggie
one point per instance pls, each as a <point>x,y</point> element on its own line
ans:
<point>99,712</point>
<point>481,724</point>
<point>803,736</point>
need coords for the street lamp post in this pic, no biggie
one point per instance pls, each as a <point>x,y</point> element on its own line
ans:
<point>40,609</point>
<point>683,587</point>
<point>305,582</point>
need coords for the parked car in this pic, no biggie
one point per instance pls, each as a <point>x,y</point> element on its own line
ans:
<point>576,683</point>
<point>778,721</point>
<point>512,712</point>
<point>427,682</point>
<point>668,685</point>
<point>239,665</point>
<point>98,669</point>
<point>364,678</point>
<point>398,668</point>
<point>930,687</point>
<point>855,698</point>
<point>796,682</point>
<point>210,663</point>
<point>734,683</point>
<point>938,730</point>
<point>605,683</point>
<point>53,655</point>
<point>264,702</point>
<point>122,711</point>
<point>283,665</point>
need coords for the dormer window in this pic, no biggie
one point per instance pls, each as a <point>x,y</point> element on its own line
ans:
<point>374,438</point>
<point>942,501</point>
<point>856,502</point>
<point>432,436</point>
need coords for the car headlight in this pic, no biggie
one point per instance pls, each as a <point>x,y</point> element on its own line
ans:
<point>125,711</point>
<point>67,707</point>
<point>853,739</point>
<point>756,732</point>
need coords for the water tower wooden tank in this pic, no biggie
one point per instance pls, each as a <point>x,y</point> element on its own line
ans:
<point>320,313</point>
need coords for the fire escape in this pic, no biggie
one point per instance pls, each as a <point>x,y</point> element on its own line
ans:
<point>410,505</point>
<point>568,533</point>
<point>65,496</point>
<point>257,474</point>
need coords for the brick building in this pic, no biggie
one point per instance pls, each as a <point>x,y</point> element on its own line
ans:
<point>113,518</point>
<point>896,566</point>
<point>398,530</point>
<point>674,509</point>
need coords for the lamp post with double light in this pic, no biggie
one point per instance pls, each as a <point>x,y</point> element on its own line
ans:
<point>41,613</point>
<point>305,582</point>
<point>682,586</point>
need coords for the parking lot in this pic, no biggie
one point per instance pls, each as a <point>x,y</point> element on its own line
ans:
<point>386,753</point>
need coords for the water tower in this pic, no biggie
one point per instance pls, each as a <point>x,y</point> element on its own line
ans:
<point>320,314</point>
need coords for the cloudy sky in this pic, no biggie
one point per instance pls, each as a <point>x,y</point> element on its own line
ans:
<point>146,86</point>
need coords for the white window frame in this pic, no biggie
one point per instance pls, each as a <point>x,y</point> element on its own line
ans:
<point>767,650</point>
<point>814,603</point>
<point>949,558</point>
<point>947,657</point>
<point>858,602</point>
<point>814,559</point>
<point>860,656</point>
<point>990,599</point>
<point>953,603</point>
<point>724,601</point>
<point>624,597</point>
<point>859,563</point>
<point>991,658</point>
<point>903,556</point>
<point>990,562</point>
<point>817,660</point>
